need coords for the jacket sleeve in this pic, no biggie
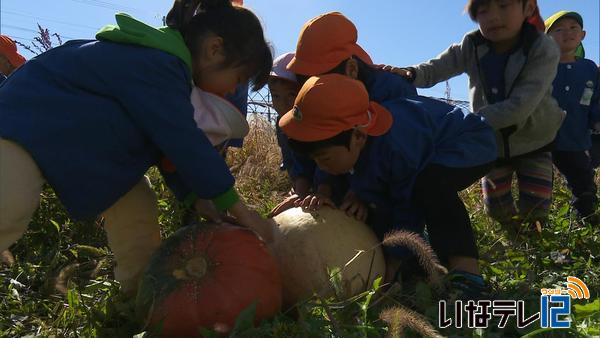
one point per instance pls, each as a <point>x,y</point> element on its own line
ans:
<point>156,94</point>
<point>302,166</point>
<point>287,158</point>
<point>531,86</point>
<point>178,187</point>
<point>445,66</point>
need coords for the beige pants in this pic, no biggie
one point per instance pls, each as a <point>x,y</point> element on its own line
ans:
<point>131,224</point>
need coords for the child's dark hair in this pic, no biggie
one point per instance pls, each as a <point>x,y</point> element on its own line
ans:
<point>308,148</point>
<point>473,6</point>
<point>240,29</point>
<point>364,71</point>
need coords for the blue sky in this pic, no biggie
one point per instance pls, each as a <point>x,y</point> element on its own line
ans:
<point>398,32</point>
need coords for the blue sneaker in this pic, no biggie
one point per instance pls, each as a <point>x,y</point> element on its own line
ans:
<point>468,286</point>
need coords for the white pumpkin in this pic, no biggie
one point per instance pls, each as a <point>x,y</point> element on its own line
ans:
<point>307,245</point>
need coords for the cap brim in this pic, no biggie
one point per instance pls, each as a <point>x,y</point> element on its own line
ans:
<point>288,75</point>
<point>16,59</point>
<point>554,18</point>
<point>362,54</point>
<point>382,120</point>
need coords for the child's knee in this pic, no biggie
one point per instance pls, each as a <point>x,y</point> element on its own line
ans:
<point>17,208</point>
<point>139,205</point>
<point>20,185</point>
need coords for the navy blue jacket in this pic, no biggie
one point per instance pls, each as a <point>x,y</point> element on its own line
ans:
<point>425,131</point>
<point>577,90</point>
<point>95,116</point>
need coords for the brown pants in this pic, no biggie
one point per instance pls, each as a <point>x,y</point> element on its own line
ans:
<point>131,224</point>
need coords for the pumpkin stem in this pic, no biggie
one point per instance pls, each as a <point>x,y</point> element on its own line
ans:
<point>196,267</point>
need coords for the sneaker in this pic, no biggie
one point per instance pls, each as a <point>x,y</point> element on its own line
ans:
<point>409,271</point>
<point>468,286</point>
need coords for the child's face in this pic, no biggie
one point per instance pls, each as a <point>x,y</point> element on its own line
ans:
<point>500,21</point>
<point>209,73</point>
<point>338,160</point>
<point>283,94</point>
<point>221,81</point>
<point>568,34</point>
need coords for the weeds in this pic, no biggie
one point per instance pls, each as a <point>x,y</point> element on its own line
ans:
<point>62,283</point>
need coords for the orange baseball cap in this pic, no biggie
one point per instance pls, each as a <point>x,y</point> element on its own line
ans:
<point>324,42</point>
<point>330,104</point>
<point>8,48</point>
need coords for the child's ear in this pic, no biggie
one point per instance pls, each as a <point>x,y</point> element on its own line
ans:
<point>213,49</point>
<point>583,35</point>
<point>352,68</point>
<point>359,138</point>
<point>530,7</point>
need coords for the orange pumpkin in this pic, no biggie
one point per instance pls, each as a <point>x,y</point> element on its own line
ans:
<point>204,276</point>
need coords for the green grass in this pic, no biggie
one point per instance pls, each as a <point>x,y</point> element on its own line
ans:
<point>60,254</point>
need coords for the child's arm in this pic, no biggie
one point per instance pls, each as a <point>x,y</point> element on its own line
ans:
<point>164,114</point>
<point>529,89</point>
<point>301,168</point>
<point>301,186</point>
<point>445,66</point>
<point>301,171</point>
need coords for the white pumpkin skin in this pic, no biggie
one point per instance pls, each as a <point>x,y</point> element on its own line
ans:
<point>306,245</point>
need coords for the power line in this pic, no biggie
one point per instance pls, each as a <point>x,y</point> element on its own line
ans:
<point>35,31</point>
<point>14,37</point>
<point>23,14</point>
<point>83,31</point>
<point>107,5</point>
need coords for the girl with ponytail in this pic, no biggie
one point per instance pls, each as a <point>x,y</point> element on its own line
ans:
<point>92,116</point>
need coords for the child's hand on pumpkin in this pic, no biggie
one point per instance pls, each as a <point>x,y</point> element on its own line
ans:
<point>207,210</point>
<point>354,207</point>
<point>251,219</point>
<point>288,203</point>
<point>314,202</point>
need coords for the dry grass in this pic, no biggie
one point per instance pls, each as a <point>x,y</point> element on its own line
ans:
<point>400,318</point>
<point>256,167</point>
<point>425,254</point>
